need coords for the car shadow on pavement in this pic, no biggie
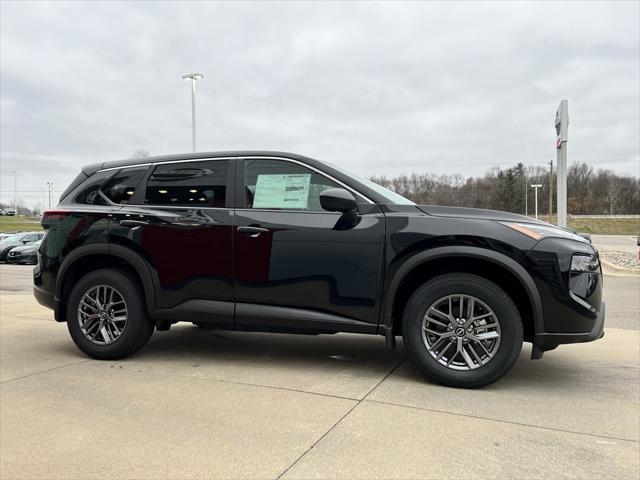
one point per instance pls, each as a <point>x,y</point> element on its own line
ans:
<point>212,348</point>
<point>338,353</point>
<point>555,372</point>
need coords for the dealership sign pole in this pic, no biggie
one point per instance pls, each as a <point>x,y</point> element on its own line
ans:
<point>562,124</point>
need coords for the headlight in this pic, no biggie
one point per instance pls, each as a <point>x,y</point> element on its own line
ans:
<point>538,231</point>
<point>585,263</point>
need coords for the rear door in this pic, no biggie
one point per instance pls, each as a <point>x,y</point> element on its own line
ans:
<point>297,265</point>
<point>180,219</point>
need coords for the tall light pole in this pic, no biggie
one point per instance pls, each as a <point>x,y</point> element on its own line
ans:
<point>526,196</point>
<point>537,186</point>
<point>193,77</point>
<point>15,190</point>
<point>550,191</point>
<point>49,186</point>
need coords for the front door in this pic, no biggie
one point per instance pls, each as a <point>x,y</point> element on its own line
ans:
<point>298,266</point>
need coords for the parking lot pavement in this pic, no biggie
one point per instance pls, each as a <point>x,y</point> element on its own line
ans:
<point>196,403</point>
<point>616,243</point>
<point>16,278</point>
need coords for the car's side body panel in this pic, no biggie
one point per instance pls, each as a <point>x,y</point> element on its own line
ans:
<point>308,271</point>
<point>70,231</point>
<point>307,261</point>
<point>188,249</point>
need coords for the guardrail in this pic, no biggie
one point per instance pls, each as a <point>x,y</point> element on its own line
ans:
<point>604,216</point>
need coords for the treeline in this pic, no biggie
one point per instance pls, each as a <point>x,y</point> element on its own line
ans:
<point>588,192</point>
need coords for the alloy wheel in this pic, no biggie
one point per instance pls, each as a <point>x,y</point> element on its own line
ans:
<point>102,314</point>
<point>461,332</point>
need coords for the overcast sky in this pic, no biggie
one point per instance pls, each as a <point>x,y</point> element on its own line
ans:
<point>378,88</point>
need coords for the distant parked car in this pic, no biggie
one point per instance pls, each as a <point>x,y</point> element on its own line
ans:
<point>9,211</point>
<point>18,240</point>
<point>27,254</point>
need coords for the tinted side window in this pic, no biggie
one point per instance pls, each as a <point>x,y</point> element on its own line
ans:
<point>121,187</point>
<point>190,183</point>
<point>280,185</point>
<point>88,192</point>
<point>81,177</point>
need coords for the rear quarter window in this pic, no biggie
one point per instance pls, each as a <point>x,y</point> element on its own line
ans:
<point>89,192</point>
<point>73,185</point>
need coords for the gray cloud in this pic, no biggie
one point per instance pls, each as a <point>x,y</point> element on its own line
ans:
<point>380,88</point>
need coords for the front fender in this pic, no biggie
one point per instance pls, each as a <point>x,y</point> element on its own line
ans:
<point>461,251</point>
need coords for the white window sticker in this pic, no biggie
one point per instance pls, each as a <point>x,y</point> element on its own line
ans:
<point>282,191</point>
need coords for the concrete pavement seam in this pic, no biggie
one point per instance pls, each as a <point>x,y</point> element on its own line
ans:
<point>4,382</point>
<point>560,430</point>
<point>340,419</point>
<point>247,384</point>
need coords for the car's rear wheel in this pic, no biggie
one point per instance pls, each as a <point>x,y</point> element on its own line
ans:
<point>462,330</point>
<point>106,316</point>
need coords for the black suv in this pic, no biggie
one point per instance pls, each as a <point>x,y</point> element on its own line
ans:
<point>270,241</point>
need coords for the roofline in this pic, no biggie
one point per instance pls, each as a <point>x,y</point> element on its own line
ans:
<point>369,193</point>
<point>94,167</point>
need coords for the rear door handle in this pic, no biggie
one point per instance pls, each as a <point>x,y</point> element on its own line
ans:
<point>252,231</point>
<point>133,223</point>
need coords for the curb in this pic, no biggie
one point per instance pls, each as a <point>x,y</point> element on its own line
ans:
<point>609,268</point>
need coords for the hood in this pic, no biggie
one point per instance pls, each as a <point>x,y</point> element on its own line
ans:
<point>5,243</point>
<point>479,213</point>
<point>26,248</point>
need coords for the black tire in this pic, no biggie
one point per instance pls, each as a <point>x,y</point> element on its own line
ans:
<point>138,328</point>
<point>487,292</point>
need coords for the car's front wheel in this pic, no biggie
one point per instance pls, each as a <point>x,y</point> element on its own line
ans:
<point>106,316</point>
<point>462,330</point>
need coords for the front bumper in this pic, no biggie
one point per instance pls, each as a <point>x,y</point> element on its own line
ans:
<point>573,310</point>
<point>22,258</point>
<point>548,341</point>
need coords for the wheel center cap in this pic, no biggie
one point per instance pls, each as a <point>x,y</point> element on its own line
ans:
<point>460,331</point>
<point>103,315</point>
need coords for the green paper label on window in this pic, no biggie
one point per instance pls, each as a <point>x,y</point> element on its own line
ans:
<point>282,191</point>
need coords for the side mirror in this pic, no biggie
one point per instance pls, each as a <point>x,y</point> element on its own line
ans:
<point>337,200</point>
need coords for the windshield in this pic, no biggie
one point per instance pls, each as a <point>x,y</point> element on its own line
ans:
<point>391,196</point>
<point>15,238</point>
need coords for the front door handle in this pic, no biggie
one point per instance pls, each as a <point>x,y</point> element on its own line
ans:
<point>133,223</point>
<point>252,231</point>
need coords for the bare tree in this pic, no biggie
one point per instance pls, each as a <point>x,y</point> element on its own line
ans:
<point>612,192</point>
<point>140,154</point>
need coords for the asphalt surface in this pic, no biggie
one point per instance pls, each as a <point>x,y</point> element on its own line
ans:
<point>206,404</point>
<point>616,243</point>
